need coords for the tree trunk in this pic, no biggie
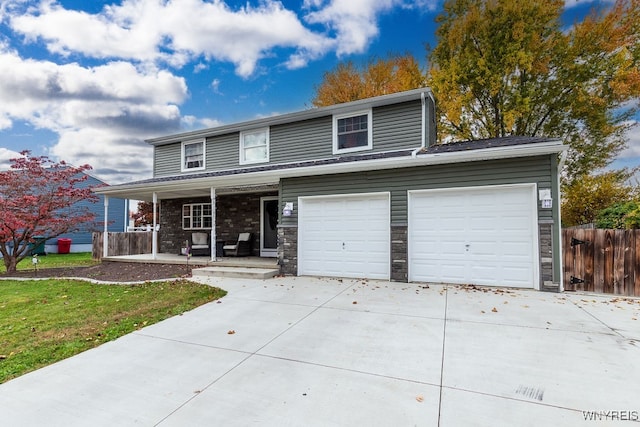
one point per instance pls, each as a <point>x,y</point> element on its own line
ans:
<point>11,264</point>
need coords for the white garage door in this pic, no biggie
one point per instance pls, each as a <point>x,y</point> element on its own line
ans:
<point>483,236</point>
<point>344,236</point>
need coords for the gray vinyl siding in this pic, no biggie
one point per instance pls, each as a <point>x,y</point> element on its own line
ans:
<point>223,152</point>
<point>166,159</point>
<point>307,140</point>
<point>397,181</point>
<point>395,127</point>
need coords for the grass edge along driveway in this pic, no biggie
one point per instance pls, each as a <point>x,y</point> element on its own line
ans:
<point>42,322</point>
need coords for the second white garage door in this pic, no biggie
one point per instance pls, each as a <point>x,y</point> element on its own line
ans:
<point>483,235</point>
<point>344,236</point>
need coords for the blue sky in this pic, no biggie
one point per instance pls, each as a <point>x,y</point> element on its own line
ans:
<point>89,81</point>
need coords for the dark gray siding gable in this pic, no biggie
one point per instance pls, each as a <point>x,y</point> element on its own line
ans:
<point>296,142</point>
<point>397,181</point>
<point>395,127</point>
<point>223,152</point>
<point>166,159</point>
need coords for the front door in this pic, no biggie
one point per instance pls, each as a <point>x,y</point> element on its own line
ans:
<point>268,226</point>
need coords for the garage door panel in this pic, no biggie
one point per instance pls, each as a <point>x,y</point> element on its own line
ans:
<point>450,250</point>
<point>452,272</point>
<point>344,236</point>
<point>481,235</point>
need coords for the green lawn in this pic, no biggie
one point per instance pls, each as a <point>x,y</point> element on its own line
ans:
<point>42,322</point>
<point>55,260</point>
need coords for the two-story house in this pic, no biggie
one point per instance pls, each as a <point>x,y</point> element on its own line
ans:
<point>361,190</point>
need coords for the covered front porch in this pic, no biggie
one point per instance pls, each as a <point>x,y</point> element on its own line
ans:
<point>220,215</point>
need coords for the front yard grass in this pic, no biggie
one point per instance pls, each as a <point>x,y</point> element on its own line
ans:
<point>42,322</point>
<point>79,259</point>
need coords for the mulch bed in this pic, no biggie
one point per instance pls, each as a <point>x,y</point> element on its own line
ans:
<point>113,272</point>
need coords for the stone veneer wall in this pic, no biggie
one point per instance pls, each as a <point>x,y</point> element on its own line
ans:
<point>399,264</point>
<point>235,214</point>
<point>545,230</point>
<point>288,249</point>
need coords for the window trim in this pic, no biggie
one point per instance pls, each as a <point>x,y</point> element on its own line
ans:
<point>191,205</point>
<point>183,167</point>
<point>243,160</point>
<point>337,117</point>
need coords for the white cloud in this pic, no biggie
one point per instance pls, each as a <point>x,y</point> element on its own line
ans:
<point>107,109</point>
<point>175,31</point>
<point>573,3</point>
<point>633,145</point>
<point>178,31</point>
<point>209,123</point>
<point>215,86</point>
<point>5,156</point>
<point>354,21</point>
<point>115,157</point>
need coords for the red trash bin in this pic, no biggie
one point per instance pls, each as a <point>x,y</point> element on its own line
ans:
<point>64,246</point>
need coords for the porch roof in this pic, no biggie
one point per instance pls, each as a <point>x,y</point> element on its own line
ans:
<point>265,177</point>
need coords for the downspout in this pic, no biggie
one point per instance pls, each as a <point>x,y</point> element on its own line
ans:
<point>213,225</point>
<point>126,214</point>
<point>423,136</point>
<point>154,236</point>
<point>105,233</point>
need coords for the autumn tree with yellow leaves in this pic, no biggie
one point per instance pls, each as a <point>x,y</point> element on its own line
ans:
<point>507,67</point>
<point>348,82</point>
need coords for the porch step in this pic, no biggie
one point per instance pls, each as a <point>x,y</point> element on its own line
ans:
<point>238,272</point>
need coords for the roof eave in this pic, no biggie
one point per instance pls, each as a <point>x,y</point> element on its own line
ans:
<point>312,113</point>
<point>274,176</point>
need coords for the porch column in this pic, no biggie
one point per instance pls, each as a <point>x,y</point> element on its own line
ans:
<point>154,237</point>
<point>213,224</point>
<point>105,236</point>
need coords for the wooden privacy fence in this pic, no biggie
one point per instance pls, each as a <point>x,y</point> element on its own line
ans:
<point>122,244</point>
<point>604,261</point>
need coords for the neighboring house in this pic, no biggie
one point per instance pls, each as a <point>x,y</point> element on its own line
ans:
<point>359,190</point>
<point>81,241</point>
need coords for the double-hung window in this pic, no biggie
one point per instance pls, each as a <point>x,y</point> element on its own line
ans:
<point>352,132</point>
<point>193,155</point>
<point>254,146</point>
<point>196,216</point>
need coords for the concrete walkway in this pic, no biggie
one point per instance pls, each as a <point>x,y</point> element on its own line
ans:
<point>329,352</point>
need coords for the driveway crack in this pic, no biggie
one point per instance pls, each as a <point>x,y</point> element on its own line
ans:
<point>444,339</point>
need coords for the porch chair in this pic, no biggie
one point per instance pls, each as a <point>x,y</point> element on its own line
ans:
<point>200,245</point>
<point>241,248</point>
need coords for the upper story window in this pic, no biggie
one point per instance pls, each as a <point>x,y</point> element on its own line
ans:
<point>193,155</point>
<point>352,132</point>
<point>254,146</point>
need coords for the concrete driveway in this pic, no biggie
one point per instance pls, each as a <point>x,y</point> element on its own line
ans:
<point>318,352</point>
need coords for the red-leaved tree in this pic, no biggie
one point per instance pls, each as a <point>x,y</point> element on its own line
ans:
<point>39,197</point>
<point>144,215</point>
